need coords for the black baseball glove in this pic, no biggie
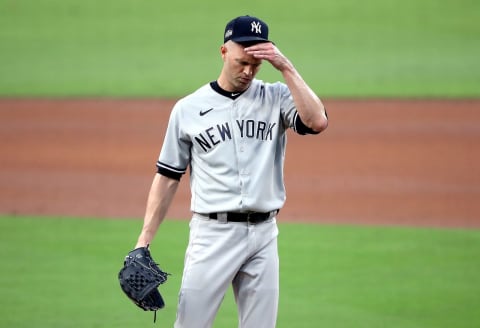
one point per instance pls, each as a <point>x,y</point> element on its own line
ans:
<point>139,279</point>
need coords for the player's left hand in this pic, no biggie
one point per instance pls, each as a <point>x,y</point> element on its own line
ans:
<point>270,53</point>
<point>140,277</point>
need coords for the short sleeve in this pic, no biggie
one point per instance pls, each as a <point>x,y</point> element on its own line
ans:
<point>175,153</point>
<point>290,116</point>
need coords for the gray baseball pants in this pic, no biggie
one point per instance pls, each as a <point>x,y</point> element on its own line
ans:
<point>220,254</point>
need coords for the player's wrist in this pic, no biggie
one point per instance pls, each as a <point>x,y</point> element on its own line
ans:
<point>287,69</point>
<point>142,242</point>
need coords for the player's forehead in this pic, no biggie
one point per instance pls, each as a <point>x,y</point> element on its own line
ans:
<point>239,54</point>
<point>247,60</point>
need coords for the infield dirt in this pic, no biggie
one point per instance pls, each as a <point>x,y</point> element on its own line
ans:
<point>404,162</point>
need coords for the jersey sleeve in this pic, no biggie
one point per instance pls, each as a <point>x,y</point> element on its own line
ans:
<point>290,116</point>
<point>301,128</point>
<point>175,153</point>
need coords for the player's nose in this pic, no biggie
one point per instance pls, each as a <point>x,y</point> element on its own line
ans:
<point>248,70</point>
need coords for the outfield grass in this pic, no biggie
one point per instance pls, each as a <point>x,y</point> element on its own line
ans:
<point>62,273</point>
<point>388,48</point>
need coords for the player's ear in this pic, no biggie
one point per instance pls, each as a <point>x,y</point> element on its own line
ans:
<point>223,51</point>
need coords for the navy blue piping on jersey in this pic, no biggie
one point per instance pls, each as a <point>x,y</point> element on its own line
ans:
<point>300,127</point>
<point>169,171</point>
<point>232,95</point>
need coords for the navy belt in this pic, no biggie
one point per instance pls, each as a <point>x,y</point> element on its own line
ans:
<point>251,217</point>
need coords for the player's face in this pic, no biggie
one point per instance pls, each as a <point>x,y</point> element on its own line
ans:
<point>239,68</point>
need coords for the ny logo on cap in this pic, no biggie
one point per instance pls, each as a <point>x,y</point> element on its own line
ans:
<point>256,27</point>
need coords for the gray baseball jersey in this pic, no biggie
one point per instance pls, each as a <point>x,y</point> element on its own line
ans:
<point>234,145</point>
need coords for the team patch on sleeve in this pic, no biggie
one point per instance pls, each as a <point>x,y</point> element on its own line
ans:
<point>170,171</point>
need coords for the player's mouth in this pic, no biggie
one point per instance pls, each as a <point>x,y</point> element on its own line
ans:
<point>244,80</point>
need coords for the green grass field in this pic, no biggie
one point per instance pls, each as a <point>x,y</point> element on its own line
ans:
<point>61,272</point>
<point>122,48</point>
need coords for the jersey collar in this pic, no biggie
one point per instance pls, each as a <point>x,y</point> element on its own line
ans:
<point>232,95</point>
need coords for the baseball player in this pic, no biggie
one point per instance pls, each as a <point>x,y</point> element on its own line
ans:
<point>231,134</point>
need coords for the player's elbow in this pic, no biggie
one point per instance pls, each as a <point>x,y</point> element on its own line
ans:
<point>320,124</point>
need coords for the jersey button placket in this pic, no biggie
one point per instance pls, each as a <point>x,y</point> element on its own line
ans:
<point>240,145</point>
<point>242,182</point>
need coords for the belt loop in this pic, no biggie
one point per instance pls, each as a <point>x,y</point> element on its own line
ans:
<point>222,217</point>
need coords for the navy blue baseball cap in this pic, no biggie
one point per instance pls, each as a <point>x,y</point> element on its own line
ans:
<point>246,30</point>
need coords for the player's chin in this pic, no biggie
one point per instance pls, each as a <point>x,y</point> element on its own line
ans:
<point>244,83</point>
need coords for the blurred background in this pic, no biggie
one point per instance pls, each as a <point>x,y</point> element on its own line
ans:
<point>344,48</point>
<point>380,227</point>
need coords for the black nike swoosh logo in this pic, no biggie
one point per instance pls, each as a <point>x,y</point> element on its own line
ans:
<point>203,112</point>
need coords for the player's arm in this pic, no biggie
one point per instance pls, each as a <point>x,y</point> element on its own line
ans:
<point>160,197</point>
<point>309,106</point>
